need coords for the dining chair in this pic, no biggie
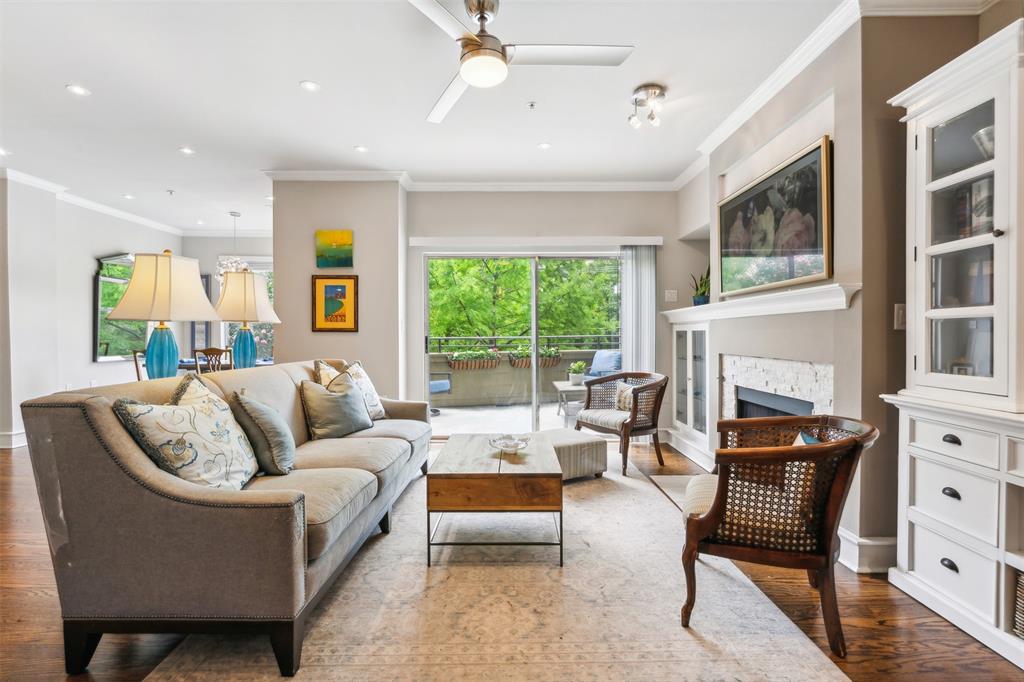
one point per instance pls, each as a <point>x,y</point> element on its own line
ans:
<point>216,359</point>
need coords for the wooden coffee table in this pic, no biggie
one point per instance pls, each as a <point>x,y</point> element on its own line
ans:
<point>472,476</point>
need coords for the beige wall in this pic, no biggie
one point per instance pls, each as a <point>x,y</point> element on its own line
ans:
<point>872,61</point>
<point>372,211</point>
<point>552,214</point>
<point>6,411</point>
<point>694,208</point>
<point>999,16</point>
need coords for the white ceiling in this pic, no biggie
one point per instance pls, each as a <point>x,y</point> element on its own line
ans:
<point>222,78</point>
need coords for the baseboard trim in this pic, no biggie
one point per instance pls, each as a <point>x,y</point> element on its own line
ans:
<point>690,451</point>
<point>12,439</point>
<point>866,554</point>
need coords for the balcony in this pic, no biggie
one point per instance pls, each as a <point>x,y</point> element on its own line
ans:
<point>498,397</point>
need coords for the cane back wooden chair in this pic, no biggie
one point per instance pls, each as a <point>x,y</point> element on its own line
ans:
<point>601,413</point>
<point>776,503</point>
<point>216,359</point>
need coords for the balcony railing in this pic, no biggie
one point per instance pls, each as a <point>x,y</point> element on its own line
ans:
<point>452,344</point>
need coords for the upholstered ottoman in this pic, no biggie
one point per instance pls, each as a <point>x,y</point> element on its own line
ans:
<point>580,454</point>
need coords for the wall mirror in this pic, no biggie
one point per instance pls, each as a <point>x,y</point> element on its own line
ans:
<point>114,339</point>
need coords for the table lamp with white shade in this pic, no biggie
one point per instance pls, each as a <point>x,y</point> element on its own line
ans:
<point>244,298</point>
<point>163,288</point>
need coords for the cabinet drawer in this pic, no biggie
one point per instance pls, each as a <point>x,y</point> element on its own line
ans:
<point>964,501</point>
<point>955,571</point>
<point>961,442</point>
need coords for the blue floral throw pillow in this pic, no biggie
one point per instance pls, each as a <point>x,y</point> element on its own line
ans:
<point>195,437</point>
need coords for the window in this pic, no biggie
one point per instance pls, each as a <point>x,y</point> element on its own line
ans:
<point>114,339</point>
<point>263,332</point>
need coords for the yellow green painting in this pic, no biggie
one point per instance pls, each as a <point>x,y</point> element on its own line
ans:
<point>334,248</point>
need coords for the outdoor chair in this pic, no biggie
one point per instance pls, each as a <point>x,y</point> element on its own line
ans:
<point>601,410</point>
<point>775,502</point>
<point>440,385</point>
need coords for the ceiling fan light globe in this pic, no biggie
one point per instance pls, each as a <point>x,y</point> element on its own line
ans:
<point>483,69</point>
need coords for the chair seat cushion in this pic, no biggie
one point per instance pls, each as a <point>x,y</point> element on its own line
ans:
<point>440,386</point>
<point>414,432</point>
<point>609,419</point>
<point>700,494</point>
<point>334,497</point>
<point>382,457</point>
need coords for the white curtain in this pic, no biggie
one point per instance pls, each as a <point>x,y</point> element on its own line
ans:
<point>639,308</point>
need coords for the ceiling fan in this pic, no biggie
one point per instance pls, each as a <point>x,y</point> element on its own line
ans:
<point>485,60</point>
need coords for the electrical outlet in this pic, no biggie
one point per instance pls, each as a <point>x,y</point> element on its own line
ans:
<point>67,387</point>
<point>671,295</point>
<point>92,382</point>
<point>899,317</point>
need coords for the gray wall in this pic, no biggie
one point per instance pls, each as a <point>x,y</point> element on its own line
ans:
<point>6,413</point>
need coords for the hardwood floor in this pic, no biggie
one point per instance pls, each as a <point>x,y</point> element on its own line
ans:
<point>889,635</point>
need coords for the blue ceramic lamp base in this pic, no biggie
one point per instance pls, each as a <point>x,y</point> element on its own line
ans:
<point>161,353</point>
<point>244,350</point>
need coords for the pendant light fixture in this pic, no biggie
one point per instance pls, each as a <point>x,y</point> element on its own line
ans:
<point>232,263</point>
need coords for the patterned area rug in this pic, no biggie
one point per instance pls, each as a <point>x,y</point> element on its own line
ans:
<point>510,613</point>
<point>674,487</point>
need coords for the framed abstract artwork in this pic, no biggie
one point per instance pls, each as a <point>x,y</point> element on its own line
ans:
<point>335,303</point>
<point>777,231</point>
<point>334,248</point>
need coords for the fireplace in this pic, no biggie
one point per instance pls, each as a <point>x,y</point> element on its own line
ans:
<point>751,403</point>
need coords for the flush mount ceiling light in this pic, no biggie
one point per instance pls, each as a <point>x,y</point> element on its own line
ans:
<point>79,90</point>
<point>648,96</point>
<point>309,86</point>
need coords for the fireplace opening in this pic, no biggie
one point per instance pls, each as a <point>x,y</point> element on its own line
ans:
<point>751,403</point>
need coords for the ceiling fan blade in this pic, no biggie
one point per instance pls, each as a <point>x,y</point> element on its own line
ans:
<point>567,55</point>
<point>447,99</point>
<point>444,19</point>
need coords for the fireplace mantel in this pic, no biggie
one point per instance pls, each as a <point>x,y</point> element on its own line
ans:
<point>804,300</point>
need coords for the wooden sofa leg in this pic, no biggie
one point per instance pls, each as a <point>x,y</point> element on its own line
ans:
<point>286,638</point>
<point>830,611</point>
<point>79,646</point>
<point>385,522</point>
<point>690,569</point>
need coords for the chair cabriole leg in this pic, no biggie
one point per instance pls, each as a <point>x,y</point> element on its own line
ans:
<point>690,570</point>
<point>657,449</point>
<point>830,611</point>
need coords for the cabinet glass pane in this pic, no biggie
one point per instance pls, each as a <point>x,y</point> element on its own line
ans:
<point>964,141</point>
<point>681,378</point>
<point>962,278</point>
<point>963,210</point>
<point>699,387</point>
<point>962,346</point>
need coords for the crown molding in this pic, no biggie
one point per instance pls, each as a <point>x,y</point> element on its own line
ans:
<point>117,213</point>
<point>691,172</point>
<point>923,8</point>
<point>401,177</point>
<point>30,180</point>
<point>505,242</point>
<point>597,186</point>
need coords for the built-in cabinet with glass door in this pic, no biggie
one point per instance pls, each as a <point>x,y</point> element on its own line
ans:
<point>960,530</point>
<point>690,391</point>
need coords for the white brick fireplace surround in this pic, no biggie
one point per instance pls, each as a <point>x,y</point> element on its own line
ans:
<point>808,381</point>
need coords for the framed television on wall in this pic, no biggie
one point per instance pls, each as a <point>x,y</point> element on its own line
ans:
<point>777,230</point>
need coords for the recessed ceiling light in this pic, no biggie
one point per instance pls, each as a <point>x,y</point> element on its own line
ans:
<point>544,146</point>
<point>4,152</point>
<point>309,86</point>
<point>362,149</point>
<point>76,89</point>
<point>200,222</point>
<point>269,197</point>
<point>187,151</point>
<point>127,196</point>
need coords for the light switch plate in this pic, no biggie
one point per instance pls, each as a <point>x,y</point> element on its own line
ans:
<point>899,317</point>
<point>671,295</point>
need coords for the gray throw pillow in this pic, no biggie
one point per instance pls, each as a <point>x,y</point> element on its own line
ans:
<point>334,413</point>
<point>271,439</point>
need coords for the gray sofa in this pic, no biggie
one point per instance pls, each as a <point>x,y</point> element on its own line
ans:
<point>136,549</point>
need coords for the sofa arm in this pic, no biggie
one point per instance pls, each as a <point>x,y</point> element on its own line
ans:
<point>407,409</point>
<point>131,541</point>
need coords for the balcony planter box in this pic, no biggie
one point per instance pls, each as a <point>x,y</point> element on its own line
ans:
<point>476,363</point>
<point>543,363</point>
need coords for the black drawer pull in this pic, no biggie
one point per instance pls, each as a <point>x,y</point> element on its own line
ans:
<point>951,439</point>
<point>950,564</point>
<point>951,492</point>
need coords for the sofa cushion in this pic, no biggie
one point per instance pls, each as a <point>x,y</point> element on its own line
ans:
<point>334,497</point>
<point>700,494</point>
<point>383,457</point>
<point>195,437</point>
<point>268,433</point>
<point>415,433</point>
<point>373,405</point>
<point>334,412</point>
<point>272,386</point>
<point>324,373</point>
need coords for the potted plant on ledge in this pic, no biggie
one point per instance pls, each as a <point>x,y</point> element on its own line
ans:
<point>484,358</point>
<point>702,288</point>
<point>519,357</point>
<point>576,371</point>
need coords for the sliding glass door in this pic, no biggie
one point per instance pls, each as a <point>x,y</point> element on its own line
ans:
<point>503,331</point>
